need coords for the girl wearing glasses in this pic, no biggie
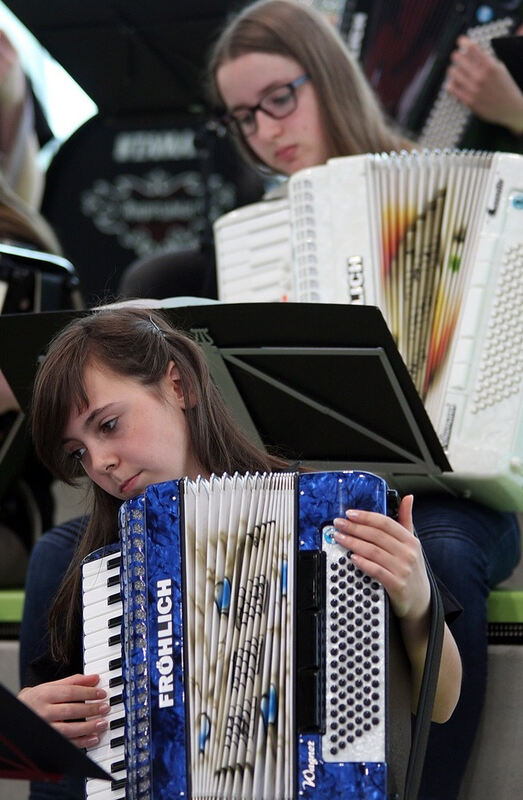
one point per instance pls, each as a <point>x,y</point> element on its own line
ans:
<point>293,97</point>
<point>292,94</point>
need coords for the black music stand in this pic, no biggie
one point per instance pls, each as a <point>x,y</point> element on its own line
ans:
<point>30,749</point>
<point>321,383</point>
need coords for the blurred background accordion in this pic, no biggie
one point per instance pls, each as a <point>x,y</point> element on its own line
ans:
<point>435,240</point>
<point>404,49</point>
<point>210,631</point>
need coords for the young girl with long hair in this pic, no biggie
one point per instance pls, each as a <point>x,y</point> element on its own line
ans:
<point>285,60</point>
<point>128,400</point>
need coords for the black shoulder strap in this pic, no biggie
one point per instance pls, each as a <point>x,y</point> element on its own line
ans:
<point>427,691</point>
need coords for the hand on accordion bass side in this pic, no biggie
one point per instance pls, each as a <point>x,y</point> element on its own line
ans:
<point>388,551</point>
<point>75,706</point>
<point>483,83</point>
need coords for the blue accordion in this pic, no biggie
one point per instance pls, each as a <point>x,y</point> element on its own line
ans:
<point>251,658</point>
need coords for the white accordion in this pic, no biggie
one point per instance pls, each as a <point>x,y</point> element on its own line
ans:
<point>435,240</point>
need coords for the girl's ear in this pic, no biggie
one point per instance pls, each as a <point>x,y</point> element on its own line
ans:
<point>175,382</point>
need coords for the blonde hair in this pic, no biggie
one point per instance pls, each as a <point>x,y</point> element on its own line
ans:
<point>351,115</point>
<point>21,224</point>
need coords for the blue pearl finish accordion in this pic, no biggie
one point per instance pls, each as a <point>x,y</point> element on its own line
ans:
<point>244,653</point>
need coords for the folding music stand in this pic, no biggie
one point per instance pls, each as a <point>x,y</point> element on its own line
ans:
<point>323,384</point>
<point>30,749</point>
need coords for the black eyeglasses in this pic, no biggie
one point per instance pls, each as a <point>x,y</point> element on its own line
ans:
<point>278,103</point>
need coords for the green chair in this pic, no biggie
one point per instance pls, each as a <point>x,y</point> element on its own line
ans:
<point>11,607</point>
<point>505,616</point>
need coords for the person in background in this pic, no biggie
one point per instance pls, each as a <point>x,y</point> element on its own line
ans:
<point>292,97</point>
<point>482,82</point>
<point>22,225</point>
<point>19,144</point>
<point>26,503</point>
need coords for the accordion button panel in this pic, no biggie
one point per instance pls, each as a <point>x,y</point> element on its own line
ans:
<point>355,669</point>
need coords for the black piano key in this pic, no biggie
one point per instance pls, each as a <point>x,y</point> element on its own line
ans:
<point>115,663</point>
<point>114,562</point>
<point>120,784</point>
<point>115,622</point>
<point>117,723</point>
<point>116,699</point>
<point>117,741</point>
<point>116,681</point>
<point>118,766</point>
<point>116,639</point>
<point>114,598</point>
<point>114,580</point>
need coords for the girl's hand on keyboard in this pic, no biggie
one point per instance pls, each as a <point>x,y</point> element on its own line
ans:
<point>74,706</point>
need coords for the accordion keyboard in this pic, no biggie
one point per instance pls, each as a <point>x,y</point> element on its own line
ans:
<point>102,655</point>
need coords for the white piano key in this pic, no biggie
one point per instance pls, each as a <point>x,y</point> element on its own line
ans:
<point>110,794</point>
<point>96,786</point>
<point>100,636</point>
<point>100,579</point>
<point>98,593</point>
<point>102,621</point>
<point>94,654</point>
<point>94,566</point>
<point>102,608</point>
<point>100,667</point>
<point>103,751</point>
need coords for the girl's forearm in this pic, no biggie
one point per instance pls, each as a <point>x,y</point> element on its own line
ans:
<point>415,636</point>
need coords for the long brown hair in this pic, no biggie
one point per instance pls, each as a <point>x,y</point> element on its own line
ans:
<point>138,344</point>
<point>352,119</point>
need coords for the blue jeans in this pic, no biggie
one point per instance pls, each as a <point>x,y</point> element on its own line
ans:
<point>471,548</point>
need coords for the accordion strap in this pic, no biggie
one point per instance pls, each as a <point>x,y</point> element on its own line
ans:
<point>427,691</point>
